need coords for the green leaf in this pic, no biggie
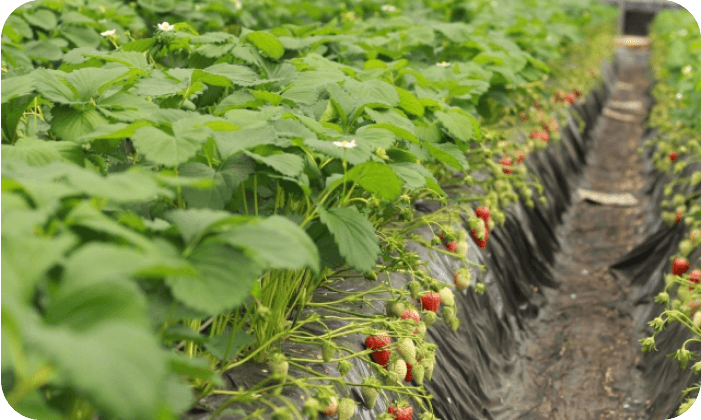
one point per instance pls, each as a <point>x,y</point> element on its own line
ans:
<point>266,43</point>
<point>457,125</point>
<point>413,174</point>
<point>14,87</point>
<point>448,153</point>
<point>164,149</point>
<point>286,164</point>
<point>226,277</point>
<point>33,151</point>
<point>42,18</point>
<point>226,346</point>
<point>88,307</point>
<point>158,6</point>
<point>225,74</point>
<point>377,178</point>
<point>81,36</point>
<point>197,222</point>
<point>291,249</point>
<point>91,82</point>
<point>70,124</point>
<point>225,179</point>
<point>108,365</point>
<point>50,85</point>
<point>87,216</point>
<point>409,103</point>
<point>12,112</point>
<point>354,234</point>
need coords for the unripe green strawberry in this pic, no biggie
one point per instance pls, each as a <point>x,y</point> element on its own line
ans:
<point>369,396</point>
<point>311,408</point>
<point>697,319</point>
<point>498,217</point>
<point>669,218</point>
<point>427,416</point>
<point>462,278</point>
<point>371,275</point>
<point>462,235</point>
<point>435,240</point>
<point>685,247</point>
<point>346,408</point>
<point>399,367</point>
<point>542,200</point>
<point>278,366</point>
<point>385,416</point>
<point>428,368</point>
<point>448,313</point>
<point>395,308</point>
<point>454,324</point>
<point>461,248</point>
<point>480,288</point>
<point>430,318</point>
<point>344,366</point>
<point>418,372</point>
<point>422,329</point>
<point>695,178</point>
<point>414,289</point>
<point>678,200</point>
<point>381,153</point>
<point>447,297</point>
<point>407,350</point>
<point>327,351</point>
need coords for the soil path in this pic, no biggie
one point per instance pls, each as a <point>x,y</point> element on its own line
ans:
<point>579,358</point>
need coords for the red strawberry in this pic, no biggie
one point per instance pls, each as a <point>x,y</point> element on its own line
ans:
<point>431,301</point>
<point>533,135</point>
<point>570,98</point>
<point>377,342</point>
<point>679,266</point>
<point>411,314</point>
<point>694,277</point>
<point>506,165</point>
<point>409,377</point>
<point>483,213</point>
<point>451,246</point>
<point>673,156</point>
<point>482,243</point>
<point>405,413</point>
<point>679,216</point>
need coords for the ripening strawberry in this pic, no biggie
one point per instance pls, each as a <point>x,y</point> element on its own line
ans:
<point>482,243</point>
<point>570,98</point>
<point>577,93</point>
<point>412,315</point>
<point>431,301</point>
<point>332,408</point>
<point>694,277</point>
<point>524,117</point>
<point>546,127</point>
<point>679,266</point>
<point>673,156</point>
<point>533,135</point>
<point>679,216</point>
<point>506,165</point>
<point>536,105</point>
<point>559,96</point>
<point>521,157</point>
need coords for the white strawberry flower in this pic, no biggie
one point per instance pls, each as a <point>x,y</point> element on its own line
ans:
<point>237,4</point>
<point>443,64</point>
<point>679,96</point>
<point>686,70</point>
<point>346,144</point>
<point>109,33</point>
<point>165,26</point>
<point>388,8</point>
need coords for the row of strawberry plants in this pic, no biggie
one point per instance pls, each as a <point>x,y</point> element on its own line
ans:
<point>676,62</point>
<point>187,188</point>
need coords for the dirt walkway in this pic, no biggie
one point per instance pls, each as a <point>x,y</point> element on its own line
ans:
<point>579,357</point>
